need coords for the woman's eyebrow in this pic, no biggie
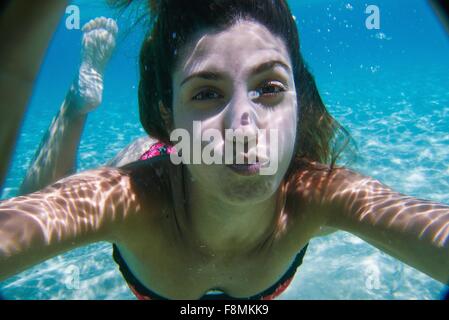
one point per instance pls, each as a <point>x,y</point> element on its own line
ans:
<point>207,75</point>
<point>211,75</point>
<point>268,66</point>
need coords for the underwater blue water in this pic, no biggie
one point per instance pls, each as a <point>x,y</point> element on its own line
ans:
<point>388,87</point>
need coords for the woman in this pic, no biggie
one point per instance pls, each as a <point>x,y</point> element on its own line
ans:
<point>180,231</point>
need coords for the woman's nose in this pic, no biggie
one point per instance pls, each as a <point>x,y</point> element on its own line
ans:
<point>245,120</point>
<point>241,120</point>
<point>240,113</point>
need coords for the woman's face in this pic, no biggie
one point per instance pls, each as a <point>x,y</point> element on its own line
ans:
<point>238,79</point>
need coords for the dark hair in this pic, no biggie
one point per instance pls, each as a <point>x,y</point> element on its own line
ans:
<point>175,22</point>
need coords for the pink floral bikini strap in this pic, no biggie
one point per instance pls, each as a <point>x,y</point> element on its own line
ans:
<point>157,149</point>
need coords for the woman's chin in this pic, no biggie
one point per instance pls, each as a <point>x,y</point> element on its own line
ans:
<point>235,188</point>
<point>248,192</point>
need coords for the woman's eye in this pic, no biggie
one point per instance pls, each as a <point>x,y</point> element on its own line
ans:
<point>271,89</point>
<point>207,95</point>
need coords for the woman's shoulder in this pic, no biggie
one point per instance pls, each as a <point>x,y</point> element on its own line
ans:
<point>150,176</point>
<point>318,184</point>
<point>154,184</point>
<point>132,152</point>
<point>313,175</point>
<point>308,175</point>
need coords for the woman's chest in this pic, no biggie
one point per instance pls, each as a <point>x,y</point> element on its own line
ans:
<point>165,261</point>
<point>173,271</point>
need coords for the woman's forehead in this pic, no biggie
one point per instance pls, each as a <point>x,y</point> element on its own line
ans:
<point>245,43</point>
<point>241,34</point>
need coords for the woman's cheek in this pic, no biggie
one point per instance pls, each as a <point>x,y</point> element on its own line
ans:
<point>290,129</point>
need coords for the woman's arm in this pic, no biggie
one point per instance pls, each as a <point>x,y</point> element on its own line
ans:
<point>26,28</point>
<point>412,230</point>
<point>75,211</point>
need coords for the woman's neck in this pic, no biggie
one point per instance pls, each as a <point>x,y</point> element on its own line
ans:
<point>221,228</point>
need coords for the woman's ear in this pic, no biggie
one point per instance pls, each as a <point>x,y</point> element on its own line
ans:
<point>166,116</point>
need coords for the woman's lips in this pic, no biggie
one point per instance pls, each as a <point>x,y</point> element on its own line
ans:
<point>245,169</point>
<point>248,168</point>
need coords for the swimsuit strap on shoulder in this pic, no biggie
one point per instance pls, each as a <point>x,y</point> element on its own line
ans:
<point>157,149</point>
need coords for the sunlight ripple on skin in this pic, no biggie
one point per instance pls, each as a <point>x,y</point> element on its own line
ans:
<point>66,208</point>
<point>376,204</point>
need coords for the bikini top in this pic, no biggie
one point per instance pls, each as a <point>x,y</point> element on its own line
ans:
<point>143,293</point>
